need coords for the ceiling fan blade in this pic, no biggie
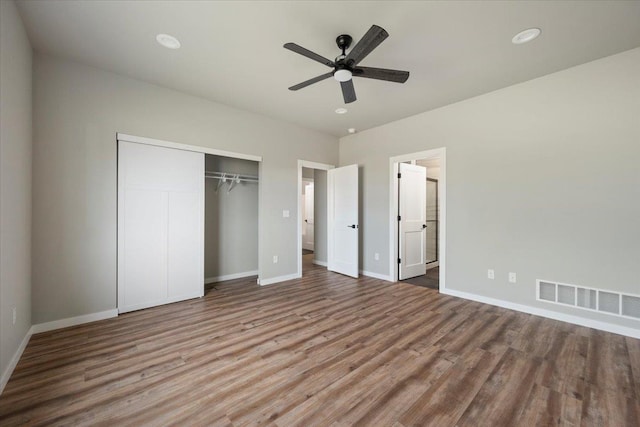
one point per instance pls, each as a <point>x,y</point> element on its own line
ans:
<point>370,41</point>
<point>311,81</point>
<point>348,91</point>
<point>381,74</point>
<point>311,55</point>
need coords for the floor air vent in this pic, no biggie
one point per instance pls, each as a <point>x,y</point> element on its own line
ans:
<point>615,303</point>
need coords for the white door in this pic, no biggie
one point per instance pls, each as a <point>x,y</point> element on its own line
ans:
<point>342,185</point>
<point>308,217</point>
<point>412,220</point>
<point>160,225</point>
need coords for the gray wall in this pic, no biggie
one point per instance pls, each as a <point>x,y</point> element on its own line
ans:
<point>15,182</point>
<point>77,112</point>
<point>543,179</point>
<point>307,173</point>
<point>231,220</point>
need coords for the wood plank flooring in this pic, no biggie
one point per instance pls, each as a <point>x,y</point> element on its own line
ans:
<point>325,350</point>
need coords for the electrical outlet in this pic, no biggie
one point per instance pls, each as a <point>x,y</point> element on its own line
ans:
<point>285,214</point>
<point>491,274</point>
<point>275,259</point>
<point>376,256</point>
<point>14,314</point>
<point>512,277</point>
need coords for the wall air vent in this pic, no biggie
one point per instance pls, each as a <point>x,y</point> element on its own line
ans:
<point>631,306</point>
<point>599,300</point>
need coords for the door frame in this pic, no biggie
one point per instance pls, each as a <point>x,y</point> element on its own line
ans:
<point>437,153</point>
<point>310,165</point>
<point>436,263</point>
<point>197,149</point>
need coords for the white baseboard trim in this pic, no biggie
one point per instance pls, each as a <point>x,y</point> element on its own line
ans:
<point>50,326</point>
<point>216,279</point>
<point>569,318</point>
<point>14,360</point>
<point>73,321</point>
<point>376,275</point>
<point>433,264</point>
<point>322,263</point>
<point>279,279</point>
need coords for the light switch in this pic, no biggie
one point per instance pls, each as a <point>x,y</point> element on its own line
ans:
<point>285,213</point>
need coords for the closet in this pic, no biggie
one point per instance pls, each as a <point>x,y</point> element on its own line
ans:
<point>185,218</point>
<point>231,218</point>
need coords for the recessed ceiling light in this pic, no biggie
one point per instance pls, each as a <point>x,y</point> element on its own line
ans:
<point>526,36</point>
<point>341,110</point>
<point>351,130</point>
<point>168,41</point>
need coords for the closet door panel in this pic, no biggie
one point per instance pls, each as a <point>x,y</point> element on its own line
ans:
<point>160,225</point>
<point>145,247</point>
<point>185,261</point>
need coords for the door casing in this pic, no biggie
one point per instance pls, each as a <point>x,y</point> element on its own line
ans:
<point>439,153</point>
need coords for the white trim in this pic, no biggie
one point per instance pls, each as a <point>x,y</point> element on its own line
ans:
<point>321,263</point>
<point>377,275</point>
<point>569,318</point>
<point>73,321</point>
<point>310,165</point>
<point>216,279</point>
<point>14,360</point>
<point>279,279</point>
<point>437,153</point>
<point>178,146</point>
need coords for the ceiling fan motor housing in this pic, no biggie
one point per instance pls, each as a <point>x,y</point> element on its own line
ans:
<point>344,41</point>
<point>342,72</point>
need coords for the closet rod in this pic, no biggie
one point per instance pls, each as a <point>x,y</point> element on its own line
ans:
<point>224,176</point>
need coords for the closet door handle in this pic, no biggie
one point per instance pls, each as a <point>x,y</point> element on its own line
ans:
<point>424,225</point>
<point>352,226</point>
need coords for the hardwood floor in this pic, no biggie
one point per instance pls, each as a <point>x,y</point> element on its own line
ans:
<point>325,350</point>
<point>429,280</point>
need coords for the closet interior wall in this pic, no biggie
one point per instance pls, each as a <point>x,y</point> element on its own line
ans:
<point>231,221</point>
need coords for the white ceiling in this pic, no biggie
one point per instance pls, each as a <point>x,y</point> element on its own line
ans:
<point>232,51</point>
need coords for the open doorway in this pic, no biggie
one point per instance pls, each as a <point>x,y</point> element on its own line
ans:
<point>312,215</point>
<point>430,278</point>
<point>417,209</point>
<point>308,206</point>
<point>231,219</point>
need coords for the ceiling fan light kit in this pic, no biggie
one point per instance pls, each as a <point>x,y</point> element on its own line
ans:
<point>345,67</point>
<point>342,75</point>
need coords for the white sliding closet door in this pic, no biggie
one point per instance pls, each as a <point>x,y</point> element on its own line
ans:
<point>160,225</point>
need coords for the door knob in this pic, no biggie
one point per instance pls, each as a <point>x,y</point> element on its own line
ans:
<point>424,225</point>
<point>352,226</point>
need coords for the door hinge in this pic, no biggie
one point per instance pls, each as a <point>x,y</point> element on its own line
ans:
<point>399,261</point>
<point>399,175</point>
<point>399,218</point>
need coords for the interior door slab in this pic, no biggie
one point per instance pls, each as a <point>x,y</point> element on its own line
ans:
<point>343,253</point>
<point>412,223</point>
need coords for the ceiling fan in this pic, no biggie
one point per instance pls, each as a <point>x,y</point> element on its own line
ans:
<point>346,66</point>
